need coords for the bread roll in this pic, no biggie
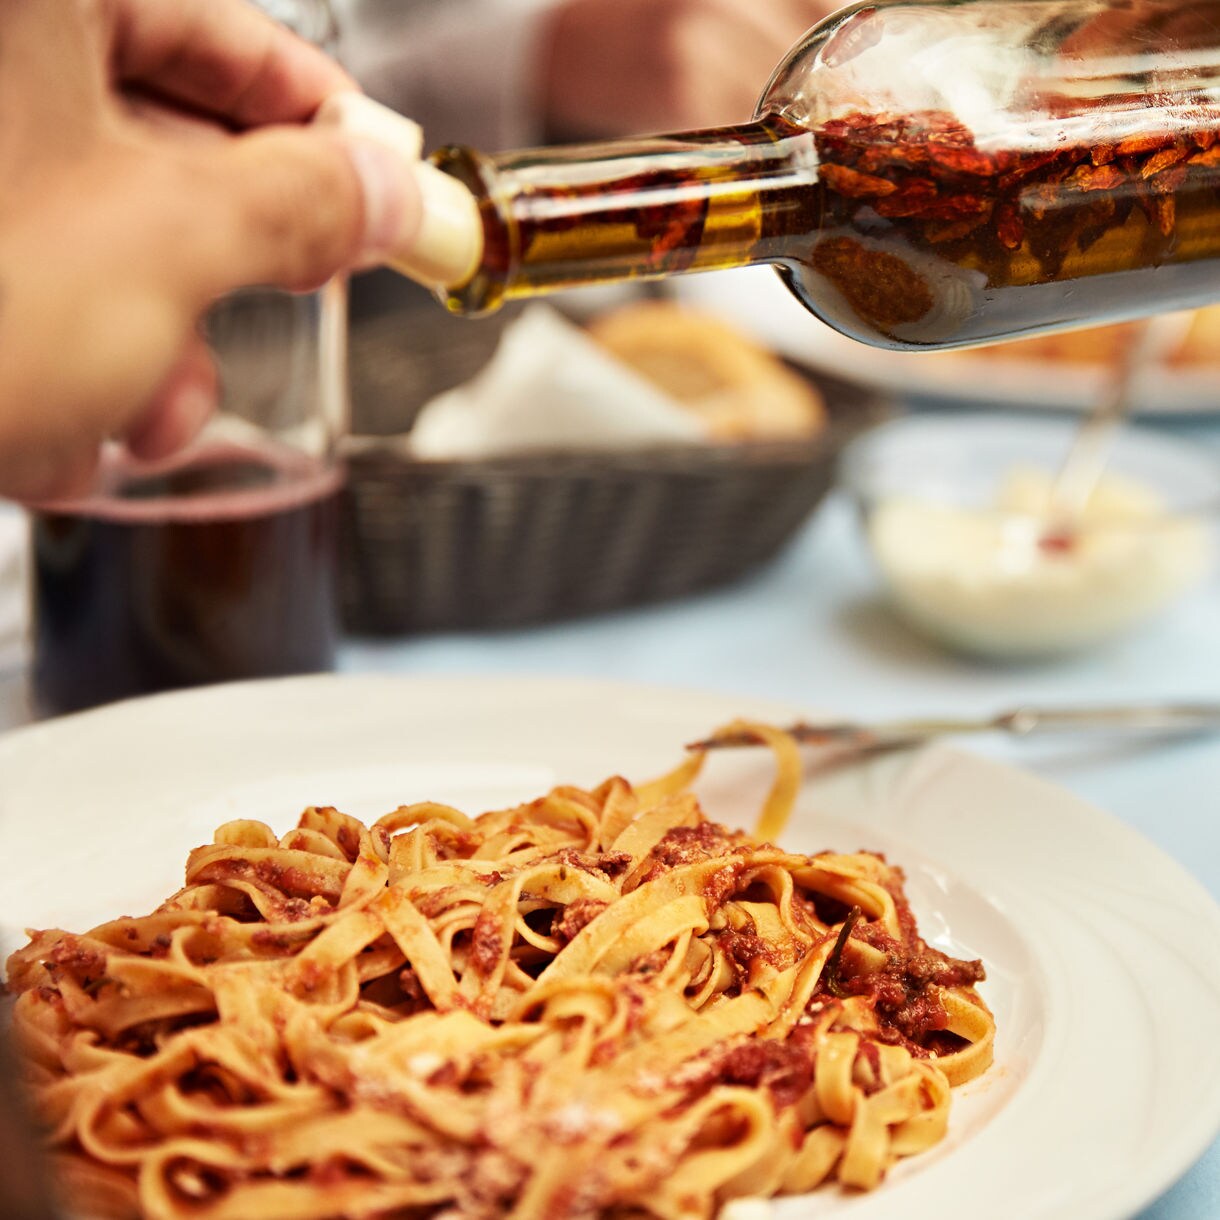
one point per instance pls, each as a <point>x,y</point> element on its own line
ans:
<point>738,389</point>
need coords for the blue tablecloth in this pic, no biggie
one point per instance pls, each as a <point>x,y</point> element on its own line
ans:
<point>812,630</point>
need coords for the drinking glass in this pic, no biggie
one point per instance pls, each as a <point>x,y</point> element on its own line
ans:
<point>219,564</point>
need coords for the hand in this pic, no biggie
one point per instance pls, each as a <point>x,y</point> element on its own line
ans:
<point>620,67</point>
<point>154,157</point>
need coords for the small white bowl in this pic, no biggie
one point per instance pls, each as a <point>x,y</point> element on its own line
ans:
<point>984,573</point>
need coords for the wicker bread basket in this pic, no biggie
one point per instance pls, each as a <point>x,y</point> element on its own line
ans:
<point>431,546</point>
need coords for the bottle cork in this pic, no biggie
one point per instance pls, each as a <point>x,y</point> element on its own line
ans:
<point>445,251</point>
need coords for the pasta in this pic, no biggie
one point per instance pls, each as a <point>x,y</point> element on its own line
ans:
<point>598,1003</point>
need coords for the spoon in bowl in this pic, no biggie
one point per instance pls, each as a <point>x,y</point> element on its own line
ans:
<point>1089,453</point>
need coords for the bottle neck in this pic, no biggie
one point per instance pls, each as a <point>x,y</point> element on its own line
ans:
<point>635,209</point>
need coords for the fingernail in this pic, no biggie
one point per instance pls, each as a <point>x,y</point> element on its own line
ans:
<point>386,183</point>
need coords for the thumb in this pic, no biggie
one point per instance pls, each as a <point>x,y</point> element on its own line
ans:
<point>293,206</point>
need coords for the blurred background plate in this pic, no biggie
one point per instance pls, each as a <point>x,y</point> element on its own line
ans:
<point>1064,372</point>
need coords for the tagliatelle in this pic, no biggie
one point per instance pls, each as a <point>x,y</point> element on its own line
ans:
<point>595,1004</point>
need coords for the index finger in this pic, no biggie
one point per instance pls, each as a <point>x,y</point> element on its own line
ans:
<point>223,57</point>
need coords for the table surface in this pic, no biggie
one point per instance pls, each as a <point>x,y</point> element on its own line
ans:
<point>811,630</point>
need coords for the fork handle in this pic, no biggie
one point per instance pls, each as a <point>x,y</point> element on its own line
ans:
<point>1150,718</point>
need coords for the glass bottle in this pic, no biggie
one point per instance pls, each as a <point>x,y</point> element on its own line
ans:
<point>922,174</point>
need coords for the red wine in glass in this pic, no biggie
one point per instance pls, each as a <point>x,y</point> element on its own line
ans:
<point>218,567</point>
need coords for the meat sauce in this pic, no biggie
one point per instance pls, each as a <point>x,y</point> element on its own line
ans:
<point>784,1068</point>
<point>576,916</point>
<point>905,990</point>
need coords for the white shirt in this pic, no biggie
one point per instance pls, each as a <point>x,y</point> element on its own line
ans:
<point>466,70</point>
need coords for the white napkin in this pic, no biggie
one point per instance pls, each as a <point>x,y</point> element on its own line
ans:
<point>12,586</point>
<point>550,386</point>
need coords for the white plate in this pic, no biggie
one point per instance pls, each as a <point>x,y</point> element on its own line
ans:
<point>1103,956</point>
<point>756,300</point>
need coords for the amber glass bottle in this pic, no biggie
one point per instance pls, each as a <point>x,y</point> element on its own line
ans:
<point>922,175</point>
